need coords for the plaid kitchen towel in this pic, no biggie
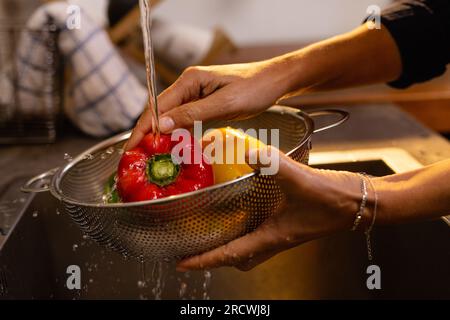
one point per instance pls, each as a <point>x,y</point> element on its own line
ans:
<point>102,96</point>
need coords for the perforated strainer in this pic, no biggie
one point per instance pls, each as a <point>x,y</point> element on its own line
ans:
<point>182,225</point>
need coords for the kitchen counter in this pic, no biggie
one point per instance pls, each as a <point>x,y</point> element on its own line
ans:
<point>380,126</point>
<point>370,126</point>
<point>18,163</point>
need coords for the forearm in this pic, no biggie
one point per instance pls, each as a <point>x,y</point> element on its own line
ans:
<point>359,57</point>
<point>416,195</point>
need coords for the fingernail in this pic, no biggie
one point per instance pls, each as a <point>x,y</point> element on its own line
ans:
<point>166,124</point>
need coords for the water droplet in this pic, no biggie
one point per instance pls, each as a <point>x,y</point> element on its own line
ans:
<point>35,214</point>
<point>85,237</point>
<point>74,247</point>
<point>159,274</point>
<point>88,156</point>
<point>206,284</point>
<point>141,284</point>
<point>183,289</point>
<point>91,280</point>
<point>68,157</point>
<point>57,212</point>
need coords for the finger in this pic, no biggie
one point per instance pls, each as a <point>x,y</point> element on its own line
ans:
<point>256,260</point>
<point>234,253</point>
<point>186,88</point>
<point>289,173</point>
<point>209,108</point>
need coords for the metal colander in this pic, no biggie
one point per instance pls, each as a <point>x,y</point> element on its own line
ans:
<point>182,225</point>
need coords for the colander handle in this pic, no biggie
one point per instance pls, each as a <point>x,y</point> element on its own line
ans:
<point>43,178</point>
<point>343,116</point>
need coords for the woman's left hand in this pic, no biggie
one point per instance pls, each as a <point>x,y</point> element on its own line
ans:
<point>319,203</point>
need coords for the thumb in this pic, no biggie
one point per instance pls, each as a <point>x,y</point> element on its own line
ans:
<point>285,170</point>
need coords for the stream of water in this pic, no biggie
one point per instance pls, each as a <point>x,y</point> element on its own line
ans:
<point>146,24</point>
<point>152,278</point>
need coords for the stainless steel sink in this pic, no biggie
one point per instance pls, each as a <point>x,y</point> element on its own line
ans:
<point>414,259</point>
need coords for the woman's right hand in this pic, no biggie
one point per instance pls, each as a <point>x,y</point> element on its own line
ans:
<point>362,56</point>
<point>227,92</point>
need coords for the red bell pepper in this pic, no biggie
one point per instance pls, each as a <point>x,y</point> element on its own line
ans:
<point>147,172</point>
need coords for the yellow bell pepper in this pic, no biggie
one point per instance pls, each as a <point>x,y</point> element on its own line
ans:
<point>230,163</point>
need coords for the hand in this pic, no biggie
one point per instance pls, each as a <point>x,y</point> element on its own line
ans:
<point>362,56</point>
<point>225,92</point>
<point>319,203</point>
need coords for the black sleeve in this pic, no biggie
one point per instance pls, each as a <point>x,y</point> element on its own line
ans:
<point>421,29</point>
